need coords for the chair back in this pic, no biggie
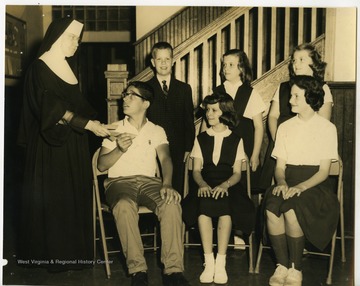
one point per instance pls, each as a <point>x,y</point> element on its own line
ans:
<point>245,167</point>
<point>336,169</point>
<point>95,169</point>
<point>188,167</point>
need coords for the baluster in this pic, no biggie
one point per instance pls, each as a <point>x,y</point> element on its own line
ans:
<point>273,38</point>
<point>178,72</point>
<point>301,26</point>
<point>313,23</point>
<point>246,32</point>
<point>205,70</point>
<point>218,56</point>
<point>233,34</point>
<point>260,41</point>
<point>192,79</point>
<point>287,33</point>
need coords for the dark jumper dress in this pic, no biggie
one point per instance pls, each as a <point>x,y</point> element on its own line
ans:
<point>237,204</point>
<point>245,129</point>
<point>285,114</point>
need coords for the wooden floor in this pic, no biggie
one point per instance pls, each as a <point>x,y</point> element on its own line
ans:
<point>314,267</point>
<point>315,270</point>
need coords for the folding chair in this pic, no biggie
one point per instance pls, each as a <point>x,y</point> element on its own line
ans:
<point>100,207</point>
<point>245,166</point>
<point>336,170</point>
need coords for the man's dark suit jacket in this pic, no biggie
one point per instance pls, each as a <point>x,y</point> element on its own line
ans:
<point>175,113</point>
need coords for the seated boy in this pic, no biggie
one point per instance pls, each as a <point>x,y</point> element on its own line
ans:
<point>130,159</point>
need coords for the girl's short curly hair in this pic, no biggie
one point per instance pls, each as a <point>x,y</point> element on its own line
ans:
<point>318,65</point>
<point>314,92</point>
<point>226,105</point>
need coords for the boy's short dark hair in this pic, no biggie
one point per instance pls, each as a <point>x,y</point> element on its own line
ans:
<point>146,91</point>
<point>161,46</point>
<point>314,92</point>
<point>226,105</point>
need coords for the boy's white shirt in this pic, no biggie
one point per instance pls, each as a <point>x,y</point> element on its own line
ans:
<point>140,158</point>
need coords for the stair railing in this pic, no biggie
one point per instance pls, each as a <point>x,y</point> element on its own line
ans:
<point>267,34</point>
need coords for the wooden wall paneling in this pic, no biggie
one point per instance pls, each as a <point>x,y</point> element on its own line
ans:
<point>207,16</point>
<point>348,157</point>
<point>343,117</point>
<point>194,21</point>
<point>187,23</point>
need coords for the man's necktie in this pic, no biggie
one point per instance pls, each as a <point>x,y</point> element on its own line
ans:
<point>165,87</point>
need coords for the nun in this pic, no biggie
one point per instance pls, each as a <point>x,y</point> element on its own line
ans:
<point>56,228</point>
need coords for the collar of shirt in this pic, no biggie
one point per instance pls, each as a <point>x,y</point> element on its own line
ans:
<point>167,81</point>
<point>130,127</point>
<point>221,134</point>
<point>218,140</point>
<point>314,118</point>
<point>231,88</point>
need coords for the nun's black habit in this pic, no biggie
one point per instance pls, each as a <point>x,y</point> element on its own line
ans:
<point>56,226</point>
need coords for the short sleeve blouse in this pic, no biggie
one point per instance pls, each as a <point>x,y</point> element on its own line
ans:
<point>300,142</point>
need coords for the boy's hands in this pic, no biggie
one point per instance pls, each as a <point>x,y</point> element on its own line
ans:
<point>124,141</point>
<point>170,195</point>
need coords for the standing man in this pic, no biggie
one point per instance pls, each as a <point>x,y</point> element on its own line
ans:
<point>172,109</point>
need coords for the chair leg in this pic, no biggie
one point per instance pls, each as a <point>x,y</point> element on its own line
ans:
<point>331,262</point>
<point>251,263</point>
<point>103,239</point>
<point>343,258</point>
<point>186,238</point>
<point>104,243</point>
<point>257,266</point>
<point>94,223</point>
<point>155,238</point>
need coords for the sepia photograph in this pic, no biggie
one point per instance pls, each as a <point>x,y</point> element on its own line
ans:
<point>159,144</point>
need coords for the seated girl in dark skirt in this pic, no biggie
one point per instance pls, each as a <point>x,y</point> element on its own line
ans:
<point>217,155</point>
<point>301,204</point>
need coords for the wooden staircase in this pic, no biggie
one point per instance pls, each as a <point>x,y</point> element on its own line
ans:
<point>267,34</point>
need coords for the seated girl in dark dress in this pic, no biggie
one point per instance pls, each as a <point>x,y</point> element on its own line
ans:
<point>217,155</point>
<point>301,205</point>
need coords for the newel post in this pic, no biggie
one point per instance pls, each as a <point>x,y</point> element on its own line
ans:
<point>116,79</point>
